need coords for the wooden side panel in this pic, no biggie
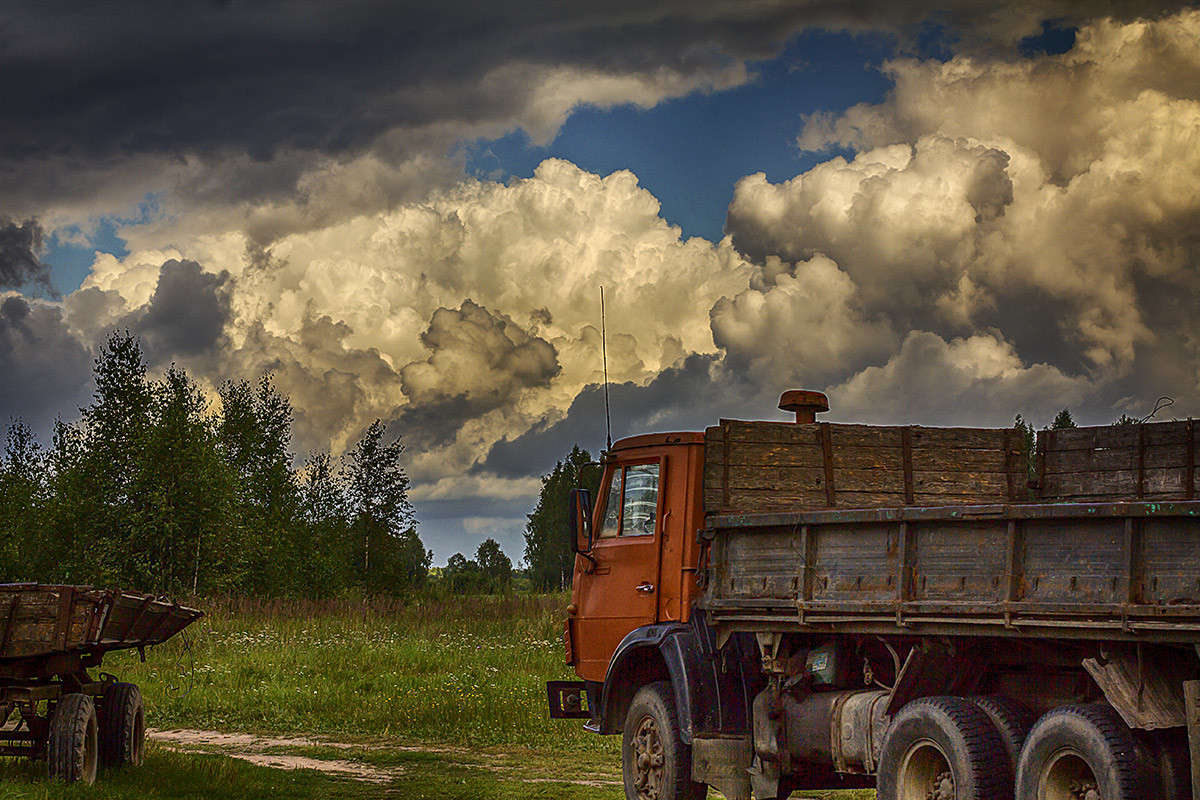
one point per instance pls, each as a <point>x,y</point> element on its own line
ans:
<point>855,563</point>
<point>1171,556</point>
<point>1087,566</point>
<point>773,466</point>
<point>960,561</point>
<point>1154,461</point>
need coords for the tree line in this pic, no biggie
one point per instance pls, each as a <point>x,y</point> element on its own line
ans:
<point>152,490</point>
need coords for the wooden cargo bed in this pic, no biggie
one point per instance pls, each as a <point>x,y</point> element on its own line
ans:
<point>1098,570</point>
<point>954,530</point>
<point>39,620</point>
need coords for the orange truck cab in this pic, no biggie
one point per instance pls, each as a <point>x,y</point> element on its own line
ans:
<point>631,622</point>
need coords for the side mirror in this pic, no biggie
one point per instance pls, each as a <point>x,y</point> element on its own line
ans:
<point>579,516</point>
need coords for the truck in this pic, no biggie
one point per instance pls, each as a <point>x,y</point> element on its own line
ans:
<point>937,613</point>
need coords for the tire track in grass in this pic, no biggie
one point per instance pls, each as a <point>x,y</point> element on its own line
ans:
<point>264,750</point>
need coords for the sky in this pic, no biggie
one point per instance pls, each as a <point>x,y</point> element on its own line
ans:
<point>936,213</point>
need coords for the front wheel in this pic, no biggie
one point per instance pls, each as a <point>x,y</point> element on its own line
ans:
<point>656,762</point>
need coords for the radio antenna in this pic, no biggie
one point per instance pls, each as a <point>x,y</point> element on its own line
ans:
<point>604,356</point>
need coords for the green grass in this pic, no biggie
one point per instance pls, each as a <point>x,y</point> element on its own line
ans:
<point>439,699</point>
<point>468,671</point>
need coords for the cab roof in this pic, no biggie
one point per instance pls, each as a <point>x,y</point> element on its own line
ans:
<point>653,439</point>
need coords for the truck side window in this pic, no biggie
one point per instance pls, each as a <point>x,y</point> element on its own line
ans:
<point>612,506</point>
<point>641,500</point>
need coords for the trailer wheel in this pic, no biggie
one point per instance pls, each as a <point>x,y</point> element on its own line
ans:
<point>1011,720</point>
<point>122,726</point>
<point>71,752</point>
<point>656,763</point>
<point>1082,752</point>
<point>942,748</point>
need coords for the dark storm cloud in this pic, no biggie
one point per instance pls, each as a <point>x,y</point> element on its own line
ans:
<point>20,244</point>
<point>45,370</point>
<point>187,313</point>
<point>96,83</point>
<point>689,397</point>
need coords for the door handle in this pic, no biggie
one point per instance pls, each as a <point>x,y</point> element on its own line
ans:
<point>645,587</point>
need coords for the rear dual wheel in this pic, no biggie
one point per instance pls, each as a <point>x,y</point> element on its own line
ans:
<point>943,748</point>
<point>1086,752</point>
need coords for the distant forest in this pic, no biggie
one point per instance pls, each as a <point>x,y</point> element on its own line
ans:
<point>156,489</point>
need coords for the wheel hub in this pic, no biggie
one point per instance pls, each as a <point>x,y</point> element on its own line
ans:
<point>943,787</point>
<point>648,760</point>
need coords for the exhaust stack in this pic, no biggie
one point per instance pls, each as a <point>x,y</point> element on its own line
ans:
<point>805,404</point>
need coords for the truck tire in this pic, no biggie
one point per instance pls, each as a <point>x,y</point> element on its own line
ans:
<point>1081,751</point>
<point>1011,720</point>
<point>942,748</point>
<point>655,761</point>
<point>72,748</point>
<point>122,726</point>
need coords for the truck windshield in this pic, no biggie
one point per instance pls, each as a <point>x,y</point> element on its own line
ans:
<point>631,507</point>
<point>641,500</point>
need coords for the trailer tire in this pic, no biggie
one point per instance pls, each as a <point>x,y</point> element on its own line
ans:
<point>1076,747</point>
<point>122,726</point>
<point>653,753</point>
<point>72,748</point>
<point>942,747</point>
<point>1011,720</point>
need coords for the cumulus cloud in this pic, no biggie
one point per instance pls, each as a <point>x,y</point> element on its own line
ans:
<point>1051,200</point>
<point>977,380</point>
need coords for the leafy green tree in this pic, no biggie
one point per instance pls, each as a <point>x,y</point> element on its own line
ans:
<point>23,493</point>
<point>1063,420</point>
<point>391,554</point>
<point>327,544</point>
<point>462,576</point>
<point>547,546</point>
<point>495,567</point>
<point>180,537</point>
<point>254,433</point>
<point>106,504</point>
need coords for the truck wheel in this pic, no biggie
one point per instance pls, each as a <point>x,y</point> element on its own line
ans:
<point>657,765</point>
<point>71,752</point>
<point>1011,720</point>
<point>942,748</point>
<point>1081,752</point>
<point>122,726</point>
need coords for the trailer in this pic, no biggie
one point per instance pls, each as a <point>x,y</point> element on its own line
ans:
<point>52,708</point>
<point>937,613</point>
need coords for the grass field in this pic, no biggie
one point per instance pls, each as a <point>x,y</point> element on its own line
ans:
<point>430,699</point>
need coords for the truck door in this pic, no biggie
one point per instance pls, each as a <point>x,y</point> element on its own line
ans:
<point>620,592</point>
